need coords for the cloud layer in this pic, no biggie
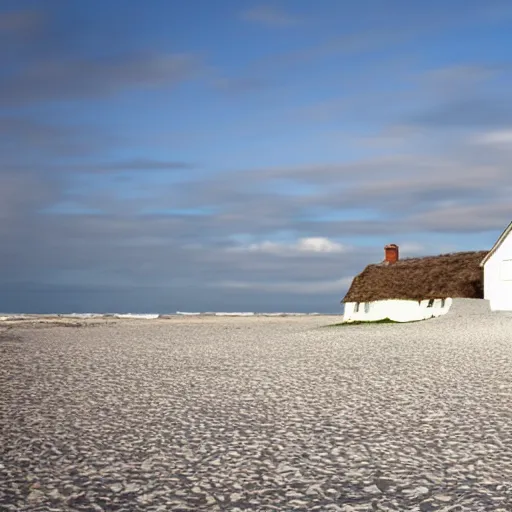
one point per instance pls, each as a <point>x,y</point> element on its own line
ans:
<point>229,167</point>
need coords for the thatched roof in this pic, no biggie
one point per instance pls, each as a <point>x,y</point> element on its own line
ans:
<point>433,277</point>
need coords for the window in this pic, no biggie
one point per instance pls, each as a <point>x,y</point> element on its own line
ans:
<point>356,307</point>
<point>443,301</point>
<point>430,303</point>
<point>366,307</point>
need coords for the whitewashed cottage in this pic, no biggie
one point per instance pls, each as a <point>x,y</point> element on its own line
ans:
<point>497,267</point>
<point>415,288</point>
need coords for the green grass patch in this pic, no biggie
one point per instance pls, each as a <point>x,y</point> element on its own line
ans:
<point>367,322</point>
<point>361,322</point>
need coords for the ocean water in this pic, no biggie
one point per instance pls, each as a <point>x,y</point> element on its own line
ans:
<point>152,316</point>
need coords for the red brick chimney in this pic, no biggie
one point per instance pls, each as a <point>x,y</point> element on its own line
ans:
<point>391,253</point>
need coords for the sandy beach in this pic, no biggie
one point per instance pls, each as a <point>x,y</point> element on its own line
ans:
<point>258,413</point>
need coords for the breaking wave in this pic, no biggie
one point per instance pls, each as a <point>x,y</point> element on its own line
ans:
<point>241,313</point>
<point>144,316</point>
<point>150,316</point>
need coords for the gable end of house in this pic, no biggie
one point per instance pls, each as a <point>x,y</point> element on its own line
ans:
<point>496,246</point>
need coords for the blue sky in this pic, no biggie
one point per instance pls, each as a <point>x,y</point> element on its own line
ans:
<point>243,155</point>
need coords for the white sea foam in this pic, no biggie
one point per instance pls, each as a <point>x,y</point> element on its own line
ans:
<point>146,316</point>
<point>234,313</point>
<point>243,313</point>
<point>85,315</point>
<point>14,316</point>
<point>149,316</point>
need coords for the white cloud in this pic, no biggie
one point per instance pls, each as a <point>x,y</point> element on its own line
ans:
<point>495,138</point>
<point>300,287</point>
<point>303,245</point>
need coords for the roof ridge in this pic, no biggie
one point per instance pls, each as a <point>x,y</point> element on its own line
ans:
<point>447,254</point>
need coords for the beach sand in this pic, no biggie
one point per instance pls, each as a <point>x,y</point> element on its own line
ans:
<point>259,413</point>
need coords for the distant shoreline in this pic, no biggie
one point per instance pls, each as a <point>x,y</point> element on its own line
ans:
<point>150,316</point>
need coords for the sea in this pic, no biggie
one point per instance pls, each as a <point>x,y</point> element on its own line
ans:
<point>151,316</point>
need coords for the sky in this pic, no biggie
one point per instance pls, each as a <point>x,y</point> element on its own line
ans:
<point>236,155</point>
